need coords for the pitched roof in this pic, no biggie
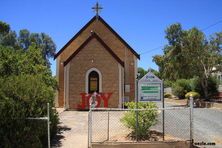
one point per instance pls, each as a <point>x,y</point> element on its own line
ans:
<point>115,33</point>
<point>94,35</point>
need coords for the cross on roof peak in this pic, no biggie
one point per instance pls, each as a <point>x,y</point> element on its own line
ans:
<point>97,8</point>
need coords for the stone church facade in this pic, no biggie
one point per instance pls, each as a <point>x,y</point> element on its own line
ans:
<point>97,60</point>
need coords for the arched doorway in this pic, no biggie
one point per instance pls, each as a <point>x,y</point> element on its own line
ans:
<point>93,82</point>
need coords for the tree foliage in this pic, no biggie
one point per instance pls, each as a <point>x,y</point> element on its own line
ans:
<point>41,40</point>
<point>26,86</point>
<point>188,54</point>
<point>21,97</point>
<point>25,39</point>
<point>181,87</point>
<point>142,72</point>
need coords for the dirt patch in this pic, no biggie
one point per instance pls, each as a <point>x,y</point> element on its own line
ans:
<point>181,102</point>
<point>153,136</point>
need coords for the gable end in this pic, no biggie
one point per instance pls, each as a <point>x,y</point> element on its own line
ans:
<point>94,35</point>
<point>119,37</point>
<point>113,31</point>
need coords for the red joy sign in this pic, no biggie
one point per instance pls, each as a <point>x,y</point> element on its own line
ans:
<point>99,97</point>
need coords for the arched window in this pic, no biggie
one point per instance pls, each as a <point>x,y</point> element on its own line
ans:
<point>93,82</point>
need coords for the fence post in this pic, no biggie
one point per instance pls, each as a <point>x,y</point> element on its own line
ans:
<point>90,128</point>
<point>163,111</point>
<point>48,124</point>
<point>137,123</point>
<point>191,120</point>
<point>108,128</point>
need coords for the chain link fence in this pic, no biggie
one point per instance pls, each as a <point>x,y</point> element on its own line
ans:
<point>107,125</point>
<point>29,126</point>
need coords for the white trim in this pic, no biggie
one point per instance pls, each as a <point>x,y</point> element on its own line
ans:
<point>87,78</point>
<point>67,101</point>
<point>120,88</point>
<point>123,83</point>
<point>136,71</point>
<point>66,86</point>
<point>57,78</point>
<point>57,67</point>
<point>65,77</point>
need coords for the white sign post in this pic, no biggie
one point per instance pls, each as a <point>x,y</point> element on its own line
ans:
<point>150,88</point>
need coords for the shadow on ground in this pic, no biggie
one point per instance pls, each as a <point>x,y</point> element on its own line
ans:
<point>56,142</point>
<point>178,105</point>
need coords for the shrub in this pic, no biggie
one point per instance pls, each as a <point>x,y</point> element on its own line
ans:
<point>168,83</point>
<point>181,87</point>
<point>194,84</point>
<point>213,84</point>
<point>212,87</point>
<point>26,86</point>
<point>167,95</point>
<point>146,119</point>
<point>21,97</point>
<point>195,95</point>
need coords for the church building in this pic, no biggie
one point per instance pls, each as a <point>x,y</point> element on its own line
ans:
<point>96,59</point>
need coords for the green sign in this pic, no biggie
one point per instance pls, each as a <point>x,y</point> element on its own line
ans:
<point>150,88</point>
<point>150,92</point>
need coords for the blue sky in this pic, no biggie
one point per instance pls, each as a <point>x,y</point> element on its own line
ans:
<point>141,23</point>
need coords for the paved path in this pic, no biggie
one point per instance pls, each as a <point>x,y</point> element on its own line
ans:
<point>73,130</point>
<point>207,125</point>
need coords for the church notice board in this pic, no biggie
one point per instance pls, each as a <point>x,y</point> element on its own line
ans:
<point>150,88</point>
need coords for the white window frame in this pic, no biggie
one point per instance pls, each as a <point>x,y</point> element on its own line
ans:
<point>87,79</point>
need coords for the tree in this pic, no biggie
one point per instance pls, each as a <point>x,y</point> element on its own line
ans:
<point>188,54</point>
<point>4,28</point>
<point>41,40</point>
<point>25,39</point>
<point>7,37</point>
<point>141,72</point>
<point>26,86</point>
<point>155,72</point>
<point>158,59</point>
<point>210,58</point>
